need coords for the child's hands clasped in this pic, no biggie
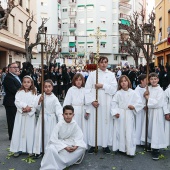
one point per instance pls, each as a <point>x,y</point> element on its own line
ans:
<point>131,107</point>
<point>117,115</point>
<point>71,149</point>
<point>167,117</point>
<point>26,109</point>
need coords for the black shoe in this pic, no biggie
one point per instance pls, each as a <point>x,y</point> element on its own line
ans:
<point>37,156</point>
<point>149,148</point>
<point>155,154</point>
<point>17,154</point>
<point>106,150</point>
<point>91,150</point>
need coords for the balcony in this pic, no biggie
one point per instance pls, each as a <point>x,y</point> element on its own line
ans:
<point>124,16</point>
<point>125,5</point>
<point>73,25</point>
<point>72,14</point>
<point>72,2</point>
<point>59,25</point>
<point>59,1</point>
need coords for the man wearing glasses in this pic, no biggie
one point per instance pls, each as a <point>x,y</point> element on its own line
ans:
<point>11,85</point>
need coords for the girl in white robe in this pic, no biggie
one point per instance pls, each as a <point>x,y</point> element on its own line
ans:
<point>76,97</point>
<point>167,116</point>
<point>156,120</point>
<point>140,90</point>
<point>125,104</point>
<point>26,102</point>
<point>66,145</point>
<point>52,114</point>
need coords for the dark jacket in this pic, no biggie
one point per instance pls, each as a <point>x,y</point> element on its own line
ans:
<point>11,86</point>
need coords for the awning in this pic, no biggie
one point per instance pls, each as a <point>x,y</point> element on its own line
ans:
<point>90,5</point>
<point>80,54</point>
<point>89,42</point>
<point>90,29</point>
<point>125,22</point>
<point>80,5</point>
<point>81,42</point>
<point>72,44</point>
<point>103,42</point>
<point>102,30</point>
<point>72,29</point>
<point>66,53</point>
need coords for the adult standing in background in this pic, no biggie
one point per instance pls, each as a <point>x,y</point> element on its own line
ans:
<point>11,85</point>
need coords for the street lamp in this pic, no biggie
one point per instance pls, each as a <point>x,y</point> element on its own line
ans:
<point>42,41</point>
<point>148,40</point>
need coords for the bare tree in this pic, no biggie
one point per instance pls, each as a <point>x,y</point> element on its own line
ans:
<point>51,48</point>
<point>3,19</point>
<point>136,31</point>
<point>29,47</point>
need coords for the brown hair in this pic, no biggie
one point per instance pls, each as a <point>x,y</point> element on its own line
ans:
<point>102,58</point>
<point>76,76</point>
<point>153,75</point>
<point>48,81</point>
<point>120,80</point>
<point>32,87</point>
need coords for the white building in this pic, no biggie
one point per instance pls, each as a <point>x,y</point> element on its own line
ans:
<point>49,9</point>
<point>80,18</point>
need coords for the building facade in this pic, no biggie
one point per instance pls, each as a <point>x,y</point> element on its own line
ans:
<point>80,19</point>
<point>12,42</point>
<point>50,10</point>
<point>162,37</point>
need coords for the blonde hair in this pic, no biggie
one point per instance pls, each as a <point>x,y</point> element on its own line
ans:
<point>32,87</point>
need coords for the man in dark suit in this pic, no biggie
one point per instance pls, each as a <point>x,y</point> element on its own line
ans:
<point>11,85</point>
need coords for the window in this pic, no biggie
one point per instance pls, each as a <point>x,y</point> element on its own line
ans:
<point>81,8</point>
<point>20,28</point>
<point>103,44</point>
<point>81,33</point>
<point>81,45</point>
<point>90,8</point>
<point>89,45</point>
<point>160,30</point>
<point>102,8</point>
<point>81,21</point>
<point>64,21</point>
<point>90,20</point>
<point>115,57</point>
<point>103,20</point>
<point>64,9</point>
<point>64,45</point>
<point>11,26</point>
<point>64,33</point>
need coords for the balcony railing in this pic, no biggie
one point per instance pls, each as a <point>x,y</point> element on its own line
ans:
<point>121,4</point>
<point>59,25</point>
<point>72,13</point>
<point>124,16</point>
<point>72,2</point>
<point>73,25</point>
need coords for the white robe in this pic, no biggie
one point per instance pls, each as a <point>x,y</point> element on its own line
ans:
<point>24,126</point>
<point>64,135</point>
<point>124,138</point>
<point>140,115</point>
<point>156,119</point>
<point>105,122</point>
<point>52,114</point>
<point>167,123</point>
<point>76,97</point>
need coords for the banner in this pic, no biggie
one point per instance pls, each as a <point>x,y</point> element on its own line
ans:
<point>125,63</point>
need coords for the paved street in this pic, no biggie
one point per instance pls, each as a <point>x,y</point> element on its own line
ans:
<point>142,161</point>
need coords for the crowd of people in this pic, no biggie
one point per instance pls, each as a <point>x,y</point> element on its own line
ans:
<point>70,129</point>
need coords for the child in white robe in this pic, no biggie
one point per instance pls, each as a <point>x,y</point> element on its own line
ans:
<point>167,116</point>
<point>156,120</point>
<point>26,101</point>
<point>140,90</point>
<point>76,97</point>
<point>66,145</point>
<point>125,104</point>
<point>52,114</point>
